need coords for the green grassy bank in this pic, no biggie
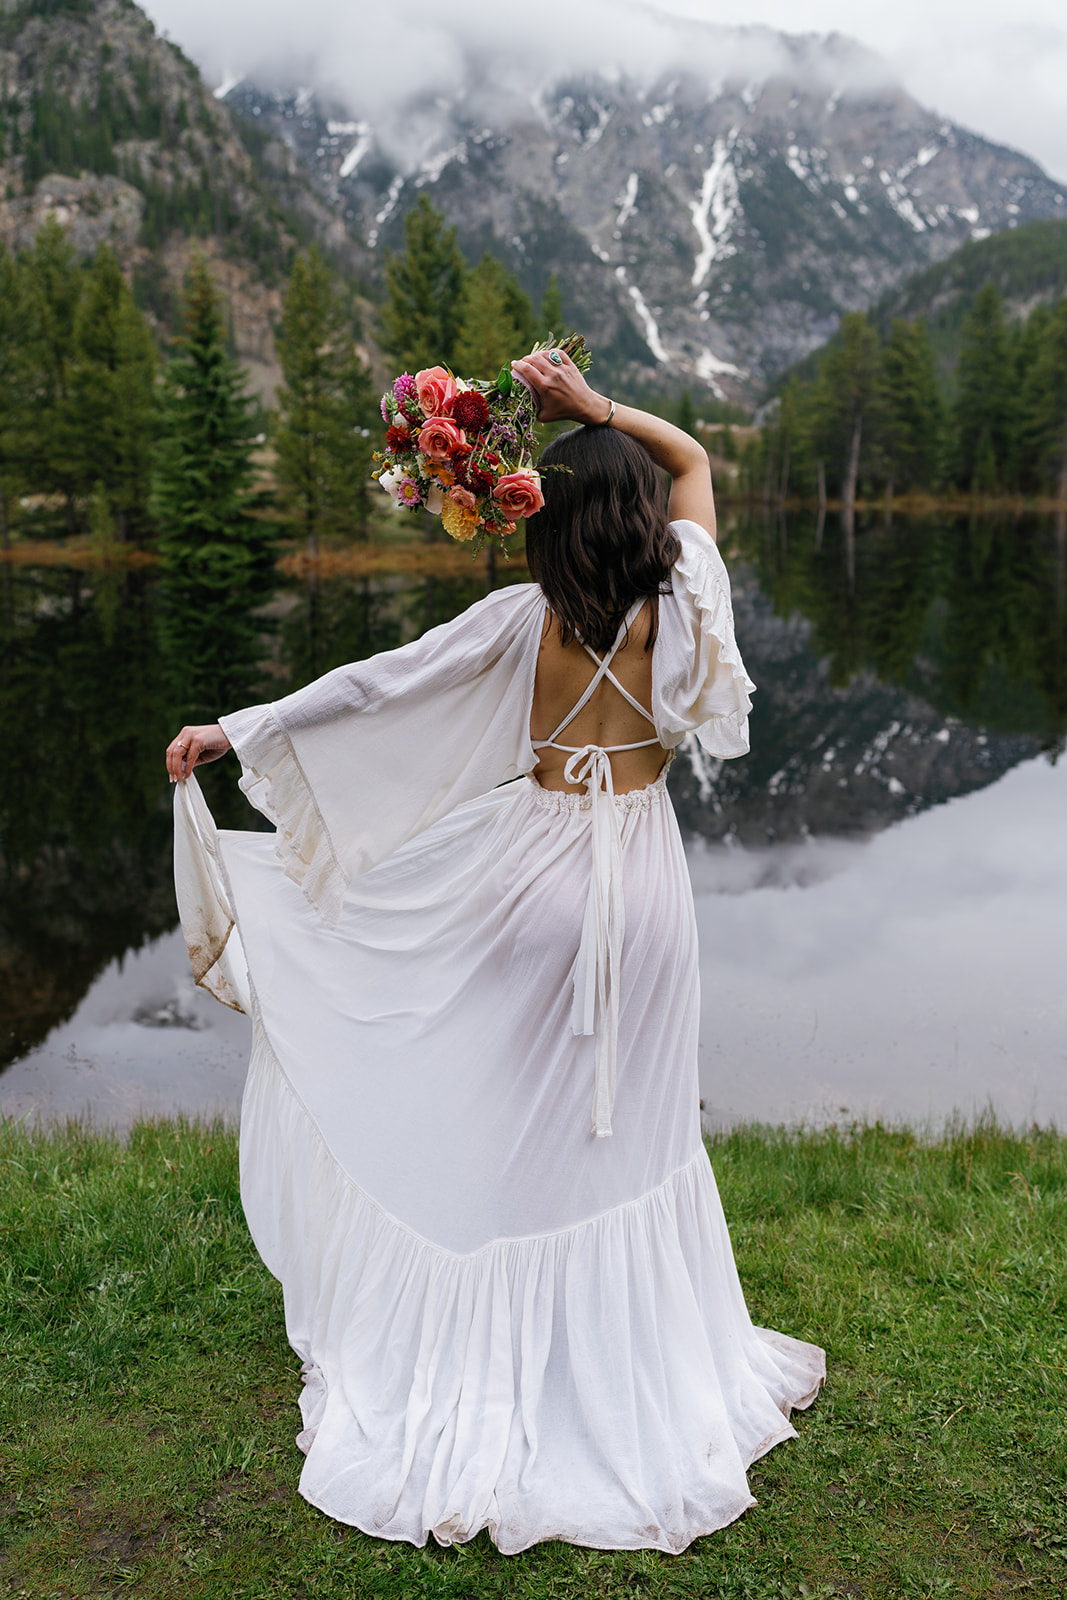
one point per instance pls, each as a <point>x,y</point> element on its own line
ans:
<point>147,1410</point>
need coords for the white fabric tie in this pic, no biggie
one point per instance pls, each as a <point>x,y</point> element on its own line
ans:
<point>598,963</point>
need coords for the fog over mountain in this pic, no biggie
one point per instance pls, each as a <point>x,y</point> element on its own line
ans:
<point>390,61</point>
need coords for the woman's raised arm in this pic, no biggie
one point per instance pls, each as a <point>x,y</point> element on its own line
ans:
<point>564,395</point>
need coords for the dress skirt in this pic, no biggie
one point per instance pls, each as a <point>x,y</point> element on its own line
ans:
<point>505,1322</point>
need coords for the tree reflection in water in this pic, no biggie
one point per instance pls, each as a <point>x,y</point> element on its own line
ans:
<point>943,620</point>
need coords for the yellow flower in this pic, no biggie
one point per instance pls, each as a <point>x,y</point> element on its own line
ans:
<point>459,524</point>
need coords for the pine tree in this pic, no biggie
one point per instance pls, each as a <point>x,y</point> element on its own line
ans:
<point>1043,408</point>
<point>496,321</point>
<point>320,439</point>
<point>204,492</point>
<point>421,315</point>
<point>13,376</point>
<point>685,415</point>
<point>53,280</point>
<point>846,405</point>
<point>984,414</point>
<point>551,324</point>
<point>112,406</point>
<point>914,413</point>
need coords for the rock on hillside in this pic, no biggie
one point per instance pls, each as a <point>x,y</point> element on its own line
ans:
<point>709,232</point>
<point>111,130</point>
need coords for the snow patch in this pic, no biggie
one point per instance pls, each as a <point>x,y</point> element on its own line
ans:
<point>901,202</point>
<point>715,209</point>
<point>603,117</point>
<point>391,198</point>
<point>648,321</point>
<point>364,140</point>
<point>229,82</point>
<point>709,366</point>
<point>627,201</point>
<point>433,167</point>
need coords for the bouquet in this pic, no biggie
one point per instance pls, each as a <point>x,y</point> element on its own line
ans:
<point>464,450</point>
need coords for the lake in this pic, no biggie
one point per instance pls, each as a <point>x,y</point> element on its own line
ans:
<point>881,885</point>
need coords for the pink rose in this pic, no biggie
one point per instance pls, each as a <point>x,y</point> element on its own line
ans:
<point>439,438</point>
<point>519,494</point>
<point>436,390</point>
<point>462,497</point>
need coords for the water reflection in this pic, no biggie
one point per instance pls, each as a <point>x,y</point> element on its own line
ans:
<point>914,663</point>
<point>921,663</point>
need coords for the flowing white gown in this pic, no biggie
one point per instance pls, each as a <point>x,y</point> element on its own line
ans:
<point>506,1322</point>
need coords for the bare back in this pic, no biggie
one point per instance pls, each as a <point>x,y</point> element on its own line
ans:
<point>564,671</point>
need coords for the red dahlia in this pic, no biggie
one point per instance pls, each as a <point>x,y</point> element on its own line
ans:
<point>470,411</point>
<point>479,480</point>
<point>397,438</point>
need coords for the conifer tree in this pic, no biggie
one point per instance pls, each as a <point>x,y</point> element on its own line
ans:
<point>986,398</point>
<point>421,315</point>
<point>320,438</point>
<point>551,323</point>
<point>13,409</point>
<point>204,493</point>
<point>1043,407</point>
<point>914,414</point>
<point>496,321</point>
<point>685,416</point>
<point>53,280</point>
<point>847,402</point>
<point>111,412</point>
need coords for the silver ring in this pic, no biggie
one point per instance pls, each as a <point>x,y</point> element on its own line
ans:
<point>555,358</point>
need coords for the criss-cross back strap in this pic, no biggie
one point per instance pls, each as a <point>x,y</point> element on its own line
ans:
<point>603,670</point>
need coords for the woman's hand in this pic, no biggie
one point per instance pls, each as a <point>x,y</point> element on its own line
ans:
<point>195,747</point>
<point>561,390</point>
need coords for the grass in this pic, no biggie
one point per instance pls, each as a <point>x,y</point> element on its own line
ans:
<point>148,1409</point>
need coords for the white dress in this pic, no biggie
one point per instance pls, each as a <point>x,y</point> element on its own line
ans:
<point>456,983</point>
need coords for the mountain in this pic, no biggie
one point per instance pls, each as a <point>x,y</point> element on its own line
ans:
<point>704,231</point>
<point>112,130</point>
<point>1028,265</point>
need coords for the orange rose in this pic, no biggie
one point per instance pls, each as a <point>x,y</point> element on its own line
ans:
<point>439,438</point>
<point>519,494</point>
<point>436,390</point>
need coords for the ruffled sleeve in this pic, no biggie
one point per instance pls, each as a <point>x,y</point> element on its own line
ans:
<point>699,681</point>
<point>358,762</point>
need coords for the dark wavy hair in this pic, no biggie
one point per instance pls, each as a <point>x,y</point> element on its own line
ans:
<point>601,541</point>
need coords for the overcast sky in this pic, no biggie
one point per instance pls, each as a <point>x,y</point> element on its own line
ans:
<point>999,69</point>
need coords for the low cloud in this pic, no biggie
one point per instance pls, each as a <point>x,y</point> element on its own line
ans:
<point>376,59</point>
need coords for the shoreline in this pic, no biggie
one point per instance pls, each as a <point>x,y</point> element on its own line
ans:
<point>399,556</point>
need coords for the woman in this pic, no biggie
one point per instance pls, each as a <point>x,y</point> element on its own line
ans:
<point>470,1140</point>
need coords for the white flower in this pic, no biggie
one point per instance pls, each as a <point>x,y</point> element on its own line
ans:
<point>390,482</point>
<point>435,500</point>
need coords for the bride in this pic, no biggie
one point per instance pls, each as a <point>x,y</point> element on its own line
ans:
<point>470,1136</point>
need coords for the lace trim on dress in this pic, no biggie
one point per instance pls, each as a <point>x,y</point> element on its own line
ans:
<point>561,800</point>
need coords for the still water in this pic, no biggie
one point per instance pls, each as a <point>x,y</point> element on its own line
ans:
<point>881,885</point>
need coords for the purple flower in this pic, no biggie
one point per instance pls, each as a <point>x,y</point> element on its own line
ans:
<point>404,389</point>
<point>385,408</point>
<point>408,492</point>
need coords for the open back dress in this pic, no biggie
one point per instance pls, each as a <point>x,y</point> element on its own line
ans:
<point>470,1136</point>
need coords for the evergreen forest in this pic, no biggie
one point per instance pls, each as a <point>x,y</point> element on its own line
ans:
<point>872,414</point>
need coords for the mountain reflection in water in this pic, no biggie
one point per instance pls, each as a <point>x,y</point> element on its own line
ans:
<point>914,663</point>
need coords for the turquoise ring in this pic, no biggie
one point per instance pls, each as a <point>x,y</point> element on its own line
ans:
<point>555,358</point>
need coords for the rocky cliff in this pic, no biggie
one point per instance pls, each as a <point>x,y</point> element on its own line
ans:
<point>111,130</point>
<point>708,232</point>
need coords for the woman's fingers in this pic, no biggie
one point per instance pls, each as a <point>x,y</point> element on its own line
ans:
<point>192,746</point>
<point>556,385</point>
